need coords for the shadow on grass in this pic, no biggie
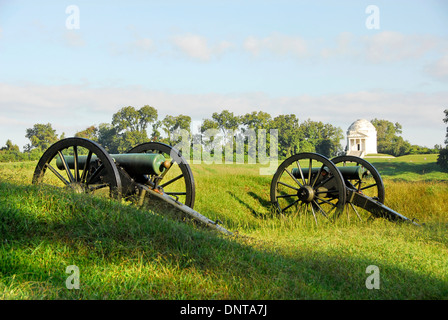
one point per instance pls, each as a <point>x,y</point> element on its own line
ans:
<point>393,169</point>
<point>125,253</point>
<point>268,212</point>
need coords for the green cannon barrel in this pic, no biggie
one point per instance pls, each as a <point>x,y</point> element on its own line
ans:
<point>349,172</point>
<point>133,163</point>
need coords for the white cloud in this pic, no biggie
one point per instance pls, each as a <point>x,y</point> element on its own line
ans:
<point>379,48</point>
<point>391,46</point>
<point>40,30</point>
<point>198,47</point>
<point>383,47</point>
<point>344,47</point>
<point>439,68</point>
<point>194,46</point>
<point>8,121</point>
<point>144,44</point>
<point>139,46</point>
<point>277,44</point>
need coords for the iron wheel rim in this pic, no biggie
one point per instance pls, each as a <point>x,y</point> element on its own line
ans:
<point>370,169</point>
<point>82,178</point>
<point>306,191</point>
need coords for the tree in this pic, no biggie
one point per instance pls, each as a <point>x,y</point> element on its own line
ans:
<point>90,133</point>
<point>288,133</point>
<point>209,129</point>
<point>107,137</point>
<point>256,120</point>
<point>442,159</point>
<point>147,115</point>
<point>130,119</point>
<point>128,129</point>
<point>41,136</point>
<point>388,138</point>
<point>445,120</point>
<point>128,139</point>
<point>208,124</point>
<point>320,137</point>
<point>399,147</point>
<point>10,147</point>
<point>227,122</point>
<point>156,135</point>
<point>416,149</point>
<point>11,152</point>
<point>172,125</point>
<point>329,143</point>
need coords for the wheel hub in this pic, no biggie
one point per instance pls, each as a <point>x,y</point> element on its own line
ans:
<point>306,194</point>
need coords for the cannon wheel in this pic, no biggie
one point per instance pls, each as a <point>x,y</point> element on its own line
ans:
<point>177,181</point>
<point>325,196</point>
<point>101,178</point>
<point>370,185</point>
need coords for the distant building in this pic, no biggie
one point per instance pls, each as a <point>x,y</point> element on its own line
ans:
<point>361,138</point>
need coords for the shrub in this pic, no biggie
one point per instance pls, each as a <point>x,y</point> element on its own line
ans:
<point>442,159</point>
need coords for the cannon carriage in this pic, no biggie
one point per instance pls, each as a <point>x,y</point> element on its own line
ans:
<point>312,183</point>
<point>151,173</point>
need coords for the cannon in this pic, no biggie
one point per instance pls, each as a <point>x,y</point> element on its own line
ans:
<point>151,173</point>
<point>312,183</point>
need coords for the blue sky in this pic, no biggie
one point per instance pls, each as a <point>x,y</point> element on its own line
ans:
<point>316,59</point>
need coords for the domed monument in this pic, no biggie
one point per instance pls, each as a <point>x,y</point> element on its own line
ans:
<point>361,138</point>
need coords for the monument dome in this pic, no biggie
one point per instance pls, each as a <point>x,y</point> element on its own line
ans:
<point>361,138</point>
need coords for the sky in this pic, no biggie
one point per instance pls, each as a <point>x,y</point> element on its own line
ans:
<point>75,63</point>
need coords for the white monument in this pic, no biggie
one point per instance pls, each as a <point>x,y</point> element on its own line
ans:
<point>361,138</point>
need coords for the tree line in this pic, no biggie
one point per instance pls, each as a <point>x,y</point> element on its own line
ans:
<point>130,126</point>
<point>390,142</point>
<point>442,159</point>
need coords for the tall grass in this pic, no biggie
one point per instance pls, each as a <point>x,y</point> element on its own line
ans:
<point>126,253</point>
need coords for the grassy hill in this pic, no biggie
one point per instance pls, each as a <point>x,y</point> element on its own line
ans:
<point>126,253</point>
<point>410,168</point>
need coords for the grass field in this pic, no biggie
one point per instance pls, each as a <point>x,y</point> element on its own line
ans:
<point>126,253</point>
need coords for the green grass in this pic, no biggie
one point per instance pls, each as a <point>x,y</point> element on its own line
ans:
<point>126,253</point>
<point>410,168</point>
